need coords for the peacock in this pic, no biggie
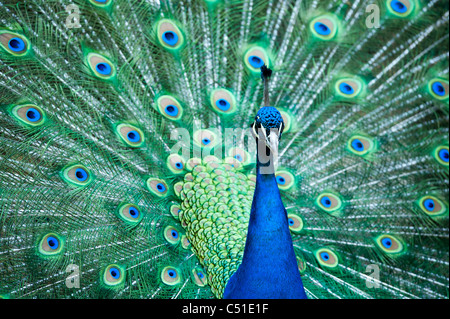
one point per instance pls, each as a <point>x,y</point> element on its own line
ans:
<point>202,149</point>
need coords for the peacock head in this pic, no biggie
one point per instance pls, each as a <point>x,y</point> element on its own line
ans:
<point>268,127</point>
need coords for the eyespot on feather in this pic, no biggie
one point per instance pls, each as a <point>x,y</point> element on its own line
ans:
<point>29,114</point>
<point>205,138</point>
<point>199,277</point>
<point>176,164</point>
<point>400,8</point>
<point>329,203</point>
<point>389,244</point>
<point>240,155</point>
<point>327,258</point>
<point>285,180</point>
<point>169,35</point>
<point>100,66</point>
<point>301,265</point>
<point>131,135</point>
<point>101,3</point>
<point>50,245</point>
<point>130,213</point>
<point>158,187</point>
<point>255,58</point>
<point>361,145</point>
<point>348,87</point>
<point>77,175</point>
<point>432,206</point>
<point>223,102</point>
<point>175,211</point>
<point>441,154</point>
<point>324,27</point>
<point>185,242</point>
<point>169,107</point>
<point>113,275</point>
<point>172,235</point>
<point>171,276</point>
<point>295,223</point>
<point>14,43</point>
<point>439,89</point>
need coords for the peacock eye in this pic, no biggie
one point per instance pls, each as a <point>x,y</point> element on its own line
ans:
<point>301,265</point>
<point>295,223</point>
<point>439,89</point>
<point>441,154</point>
<point>172,235</point>
<point>100,66</point>
<point>432,206</point>
<point>77,175</point>
<point>170,276</point>
<point>327,258</point>
<point>157,187</point>
<point>51,244</point>
<point>361,145</point>
<point>205,138</point>
<point>287,120</point>
<point>349,88</point>
<point>169,107</point>
<point>175,211</point>
<point>223,101</point>
<point>400,8</point>
<point>389,244</point>
<point>175,163</point>
<point>113,275</point>
<point>199,277</point>
<point>131,135</point>
<point>29,114</point>
<point>330,203</point>
<point>130,214</point>
<point>185,242</point>
<point>285,180</point>
<point>101,3</point>
<point>14,43</point>
<point>169,35</point>
<point>255,58</point>
<point>324,27</point>
<point>240,155</point>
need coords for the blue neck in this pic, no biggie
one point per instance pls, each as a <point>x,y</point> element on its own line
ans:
<point>269,267</point>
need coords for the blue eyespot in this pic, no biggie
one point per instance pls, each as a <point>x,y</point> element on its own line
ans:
<point>53,243</point>
<point>357,145</point>
<point>386,242</point>
<point>326,201</point>
<point>255,61</point>
<point>160,187</point>
<point>429,205</point>
<point>291,222</point>
<point>170,37</point>
<point>281,180</point>
<point>346,89</point>
<point>134,212</point>
<point>238,157</point>
<point>16,44</point>
<point>171,110</point>
<point>321,28</point>
<point>223,104</point>
<point>399,7</point>
<point>172,273</point>
<point>200,275</point>
<point>115,273</point>
<point>33,115</point>
<point>133,136</point>
<point>179,165</point>
<point>325,256</point>
<point>103,68</point>
<point>206,141</point>
<point>444,155</point>
<point>81,174</point>
<point>438,89</point>
<point>174,234</point>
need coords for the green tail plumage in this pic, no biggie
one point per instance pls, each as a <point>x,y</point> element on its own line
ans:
<point>126,159</point>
